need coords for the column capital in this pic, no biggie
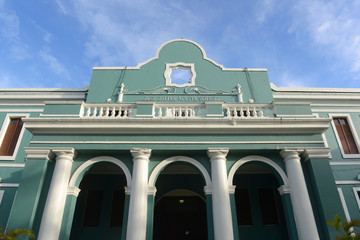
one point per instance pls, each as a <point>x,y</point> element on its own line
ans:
<point>284,189</point>
<point>39,153</point>
<point>64,153</point>
<point>217,153</point>
<point>140,153</point>
<point>287,153</point>
<point>152,191</point>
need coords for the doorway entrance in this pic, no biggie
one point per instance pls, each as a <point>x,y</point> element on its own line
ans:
<point>180,208</point>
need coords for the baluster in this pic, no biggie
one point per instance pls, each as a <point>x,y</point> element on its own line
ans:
<point>261,113</point>
<point>88,112</point>
<point>248,111</point>
<point>94,112</point>
<point>228,112</point>
<point>106,113</point>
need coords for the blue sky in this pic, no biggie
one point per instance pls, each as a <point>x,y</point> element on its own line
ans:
<point>55,44</point>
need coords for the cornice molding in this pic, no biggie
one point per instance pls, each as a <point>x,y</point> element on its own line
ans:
<point>183,126</point>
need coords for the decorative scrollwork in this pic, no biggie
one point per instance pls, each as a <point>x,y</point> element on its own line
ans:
<point>159,89</point>
<point>203,90</point>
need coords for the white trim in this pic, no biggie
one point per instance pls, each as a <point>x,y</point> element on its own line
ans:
<point>353,131</point>
<point>347,182</point>
<point>20,110</point>
<point>356,190</point>
<point>323,136</point>
<point>175,142</point>
<point>336,110</point>
<point>15,185</point>
<point>192,126</point>
<point>179,65</point>
<point>44,89</point>
<point>156,171</point>
<point>343,203</point>
<point>1,195</point>
<point>92,161</point>
<point>22,104</point>
<point>295,115</point>
<point>184,40</point>
<point>305,89</point>
<point>4,128</point>
<point>65,102</point>
<point>59,115</point>
<point>254,158</point>
<point>19,165</point>
<point>344,163</point>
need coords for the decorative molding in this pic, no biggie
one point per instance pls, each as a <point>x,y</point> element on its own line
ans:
<point>22,110</point>
<point>156,171</point>
<point>344,163</point>
<point>184,40</point>
<point>305,89</point>
<point>127,190</point>
<point>64,153</point>
<point>71,102</point>
<point>86,165</point>
<point>1,195</point>
<point>344,205</point>
<point>152,190</point>
<point>158,90</point>
<point>232,189</point>
<point>141,153</point>
<point>342,110</point>
<point>255,158</point>
<point>192,126</point>
<point>203,90</point>
<point>14,185</point>
<point>18,165</point>
<point>179,65</point>
<point>73,190</point>
<point>217,153</point>
<point>316,153</point>
<point>208,190</point>
<point>347,182</point>
<point>284,189</point>
<point>39,153</point>
<point>176,142</point>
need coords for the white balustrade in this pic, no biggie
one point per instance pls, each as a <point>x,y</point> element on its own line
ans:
<point>107,110</point>
<point>248,110</point>
<point>179,111</point>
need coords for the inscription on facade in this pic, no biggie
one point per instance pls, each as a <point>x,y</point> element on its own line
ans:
<point>180,98</point>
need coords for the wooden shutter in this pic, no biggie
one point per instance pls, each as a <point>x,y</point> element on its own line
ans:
<point>346,137</point>
<point>11,137</point>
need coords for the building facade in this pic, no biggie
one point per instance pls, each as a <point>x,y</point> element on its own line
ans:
<point>179,147</point>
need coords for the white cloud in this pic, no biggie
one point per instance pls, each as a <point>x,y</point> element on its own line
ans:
<point>334,27</point>
<point>54,64</point>
<point>288,79</point>
<point>46,35</point>
<point>10,32</point>
<point>129,31</point>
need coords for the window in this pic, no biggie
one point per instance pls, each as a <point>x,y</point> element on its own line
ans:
<point>92,212</point>
<point>117,209</point>
<point>357,195</point>
<point>180,74</point>
<point>243,207</point>
<point>268,206</point>
<point>11,137</point>
<point>346,135</point>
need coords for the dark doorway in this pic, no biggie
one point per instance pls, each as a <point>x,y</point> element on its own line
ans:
<point>99,208</point>
<point>180,218</point>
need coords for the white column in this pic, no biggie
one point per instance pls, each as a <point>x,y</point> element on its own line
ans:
<point>223,226</point>
<point>55,202</point>
<point>136,227</point>
<point>304,216</point>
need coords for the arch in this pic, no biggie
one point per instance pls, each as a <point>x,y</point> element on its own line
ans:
<point>82,168</point>
<point>255,158</point>
<point>170,160</point>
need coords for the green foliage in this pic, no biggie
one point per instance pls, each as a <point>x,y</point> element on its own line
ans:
<point>346,230</point>
<point>13,234</point>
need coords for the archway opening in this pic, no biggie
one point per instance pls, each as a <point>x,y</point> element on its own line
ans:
<point>99,210</point>
<point>259,209</point>
<point>180,206</point>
